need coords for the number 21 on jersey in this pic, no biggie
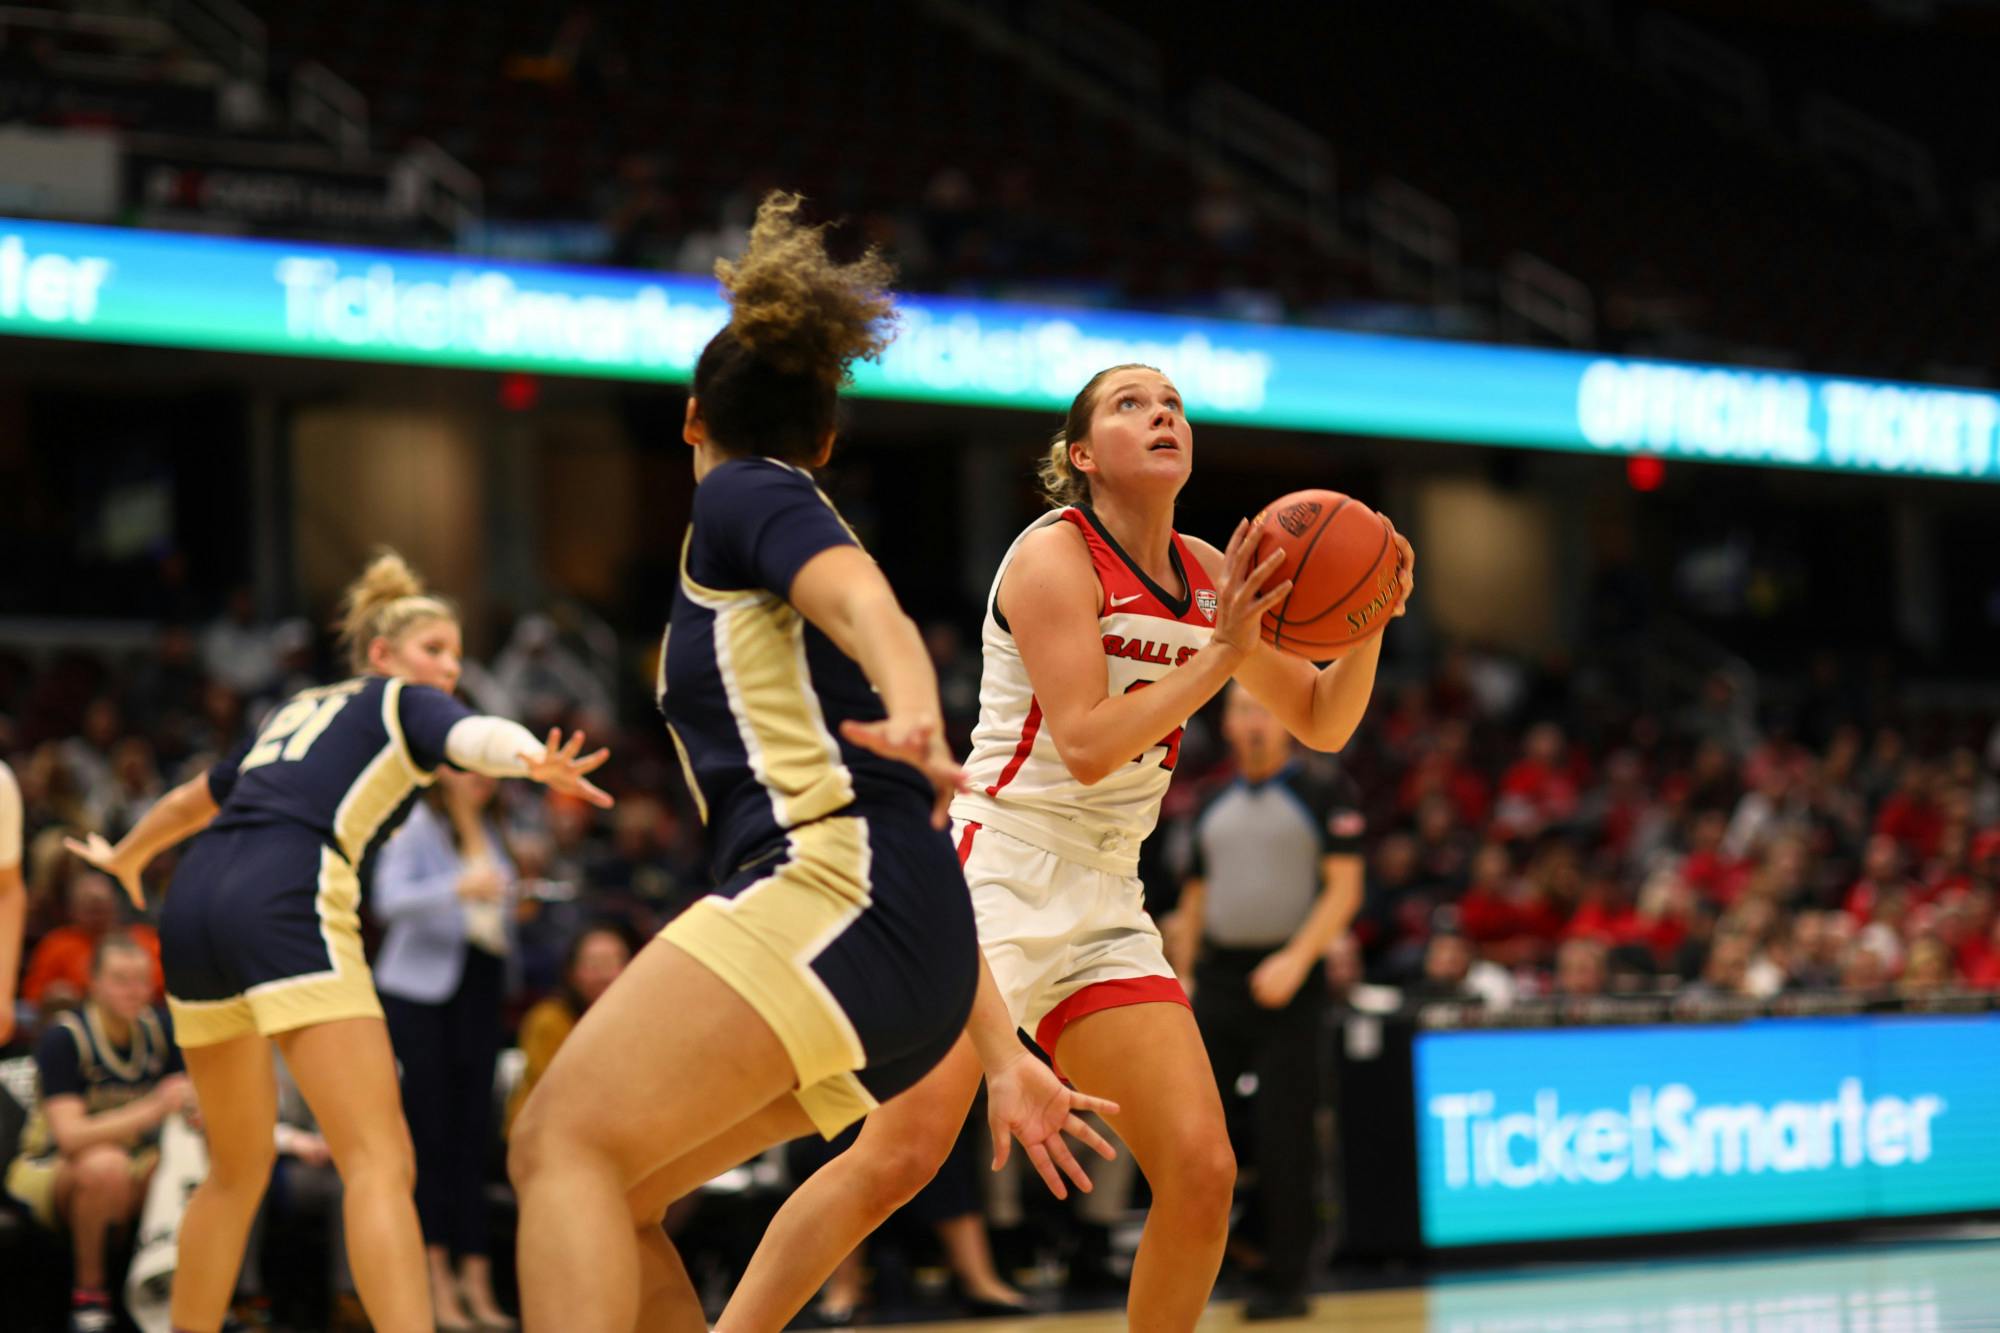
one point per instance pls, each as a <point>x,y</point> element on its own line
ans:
<point>291,730</point>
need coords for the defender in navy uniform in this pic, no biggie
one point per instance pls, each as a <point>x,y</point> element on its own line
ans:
<point>835,962</point>
<point>260,934</point>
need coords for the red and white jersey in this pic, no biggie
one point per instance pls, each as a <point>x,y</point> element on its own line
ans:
<point>1020,784</point>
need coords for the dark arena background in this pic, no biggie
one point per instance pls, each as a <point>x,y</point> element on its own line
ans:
<point>1663,329</point>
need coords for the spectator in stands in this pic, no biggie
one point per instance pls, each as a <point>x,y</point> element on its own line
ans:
<point>134,786</point>
<point>1881,879</point>
<point>1723,718</point>
<point>445,889</point>
<point>544,681</point>
<point>164,691</point>
<point>1443,847</point>
<point>1542,789</point>
<point>1726,972</point>
<point>1396,918</point>
<point>1884,768</point>
<point>958,680</point>
<point>59,971</point>
<point>1913,816</point>
<point>110,1075</point>
<point>88,753</point>
<point>1582,967</point>
<point>1709,868</point>
<point>636,880</point>
<point>1928,968</point>
<point>236,650</point>
<point>596,957</point>
<point>1812,957</point>
<point>1960,923</point>
<point>50,793</point>
<point>1515,919</point>
<point>1613,813</point>
<point>1984,971</point>
<point>1773,807</point>
<point>1444,770</point>
<point>1863,970</point>
<point>1453,970</point>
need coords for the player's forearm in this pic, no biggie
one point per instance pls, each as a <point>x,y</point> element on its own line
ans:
<point>1340,697</point>
<point>1333,911</point>
<point>1184,928</point>
<point>492,746</point>
<point>121,1126</point>
<point>175,817</point>
<point>991,1026</point>
<point>884,641</point>
<point>1118,729</point>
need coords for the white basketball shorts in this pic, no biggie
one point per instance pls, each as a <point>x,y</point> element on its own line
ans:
<point>1063,939</point>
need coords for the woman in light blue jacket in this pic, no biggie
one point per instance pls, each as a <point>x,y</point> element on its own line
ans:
<point>444,889</point>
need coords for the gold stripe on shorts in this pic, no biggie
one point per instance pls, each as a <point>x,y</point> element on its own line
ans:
<point>763,941</point>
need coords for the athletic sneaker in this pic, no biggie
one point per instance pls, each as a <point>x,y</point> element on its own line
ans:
<point>91,1319</point>
<point>1275,1305</point>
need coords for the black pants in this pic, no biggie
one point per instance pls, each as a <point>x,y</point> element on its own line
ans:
<point>1282,1048</point>
<point>448,1052</point>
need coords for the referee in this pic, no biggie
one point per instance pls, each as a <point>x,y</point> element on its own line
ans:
<point>1275,878</point>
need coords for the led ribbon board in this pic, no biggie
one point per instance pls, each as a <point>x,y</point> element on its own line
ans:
<point>296,299</point>
<point>1545,1135</point>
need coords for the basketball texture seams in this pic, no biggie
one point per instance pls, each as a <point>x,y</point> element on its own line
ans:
<point>1344,565</point>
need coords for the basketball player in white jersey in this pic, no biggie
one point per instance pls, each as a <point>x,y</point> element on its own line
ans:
<point>1105,631</point>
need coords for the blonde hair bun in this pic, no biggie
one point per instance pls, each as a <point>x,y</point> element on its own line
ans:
<point>387,599</point>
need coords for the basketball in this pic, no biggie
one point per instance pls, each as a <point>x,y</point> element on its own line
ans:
<point>1344,564</point>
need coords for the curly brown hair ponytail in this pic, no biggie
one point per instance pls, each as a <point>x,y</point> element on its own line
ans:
<point>769,380</point>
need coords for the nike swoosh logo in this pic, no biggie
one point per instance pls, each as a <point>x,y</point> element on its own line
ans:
<point>1120,601</point>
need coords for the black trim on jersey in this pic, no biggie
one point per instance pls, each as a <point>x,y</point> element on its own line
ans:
<point>1178,605</point>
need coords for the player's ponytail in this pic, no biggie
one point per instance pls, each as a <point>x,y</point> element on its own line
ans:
<point>768,382</point>
<point>387,599</point>
<point>1062,484</point>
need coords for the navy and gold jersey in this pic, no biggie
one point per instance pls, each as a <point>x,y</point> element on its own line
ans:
<point>77,1058</point>
<point>341,760</point>
<point>753,694</point>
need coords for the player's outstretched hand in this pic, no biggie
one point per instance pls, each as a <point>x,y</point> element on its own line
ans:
<point>1241,597</point>
<point>559,767</point>
<point>918,742</point>
<point>1026,1101</point>
<point>104,856</point>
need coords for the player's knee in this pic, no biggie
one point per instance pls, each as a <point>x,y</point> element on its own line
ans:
<point>244,1165</point>
<point>104,1173</point>
<point>381,1161</point>
<point>1201,1177</point>
<point>898,1169</point>
<point>527,1145</point>
<point>907,1169</point>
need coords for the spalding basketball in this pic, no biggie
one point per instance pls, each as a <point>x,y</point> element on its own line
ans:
<point>1345,568</point>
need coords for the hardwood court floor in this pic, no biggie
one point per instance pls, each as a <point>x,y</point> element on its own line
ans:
<point>1934,1287</point>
